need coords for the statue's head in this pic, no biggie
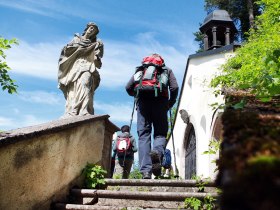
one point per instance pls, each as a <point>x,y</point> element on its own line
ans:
<point>96,29</point>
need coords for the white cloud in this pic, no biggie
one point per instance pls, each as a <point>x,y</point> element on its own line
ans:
<point>19,122</point>
<point>39,60</point>
<point>5,121</point>
<point>43,8</point>
<point>119,112</point>
<point>42,97</point>
<point>28,120</point>
<point>119,61</point>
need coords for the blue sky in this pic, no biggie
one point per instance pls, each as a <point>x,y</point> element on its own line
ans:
<point>129,29</point>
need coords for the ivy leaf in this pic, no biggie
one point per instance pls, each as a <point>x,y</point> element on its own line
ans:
<point>239,105</point>
<point>265,99</point>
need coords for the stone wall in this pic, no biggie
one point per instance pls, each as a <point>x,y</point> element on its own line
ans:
<point>39,164</point>
<point>249,163</point>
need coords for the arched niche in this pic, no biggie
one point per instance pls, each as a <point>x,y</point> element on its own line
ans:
<point>190,152</point>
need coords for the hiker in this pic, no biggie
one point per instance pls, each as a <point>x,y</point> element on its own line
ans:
<point>78,76</point>
<point>124,148</point>
<point>152,103</point>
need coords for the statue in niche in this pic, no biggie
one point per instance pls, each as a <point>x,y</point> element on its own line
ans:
<point>78,76</point>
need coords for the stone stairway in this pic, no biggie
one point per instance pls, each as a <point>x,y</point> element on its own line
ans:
<point>137,194</point>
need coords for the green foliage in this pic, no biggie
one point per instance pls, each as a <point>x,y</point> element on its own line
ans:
<point>255,67</point>
<point>117,176</point>
<point>214,147</point>
<point>199,38</point>
<point>193,203</point>
<point>94,176</point>
<point>135,174</point>
<point>240,105</point>
<point>200,182</point>
<point>208,203</point>
<point>5,80</point>
<point>264,161</point>
<point>171,120</point>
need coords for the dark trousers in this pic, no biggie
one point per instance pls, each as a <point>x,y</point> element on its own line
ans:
<point>151,113</point>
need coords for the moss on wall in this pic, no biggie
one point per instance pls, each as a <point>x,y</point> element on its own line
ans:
<point>249,166</point>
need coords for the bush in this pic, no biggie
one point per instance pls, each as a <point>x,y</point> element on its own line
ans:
<point>94,176</point>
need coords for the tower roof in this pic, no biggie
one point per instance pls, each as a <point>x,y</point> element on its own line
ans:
<point>217,17</point>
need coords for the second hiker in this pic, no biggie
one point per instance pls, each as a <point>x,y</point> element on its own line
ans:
<point>156,89</point>
<point>124,148</point>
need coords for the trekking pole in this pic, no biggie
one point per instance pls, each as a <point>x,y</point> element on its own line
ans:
<point>176,169</point>
<point>132,114</point>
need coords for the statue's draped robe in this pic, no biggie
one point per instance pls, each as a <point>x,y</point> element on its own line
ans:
<point>78,76</point>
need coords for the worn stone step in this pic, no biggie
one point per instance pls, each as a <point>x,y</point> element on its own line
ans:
<point>160,189</point>
<point>156,196</point>
<point>62,206</point>
<point>157,182</point>
<point>138,194</point>
<point>141,204</point>
<point>159,185</point>
<point>137,199</point>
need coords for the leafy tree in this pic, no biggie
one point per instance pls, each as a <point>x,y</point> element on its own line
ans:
<point>256,65</point>
<point>171,120</point>
<point>5,80</point>
<point>199,38</point>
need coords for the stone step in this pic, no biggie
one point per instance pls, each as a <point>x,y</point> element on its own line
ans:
<point>159,185</point>
<point>141,204</point>
<point>160,189</point>
<point>62,206</point>
<point>156,182</point>
<point>164,200</point>
<point>156,196</point>
<point>138,194</point>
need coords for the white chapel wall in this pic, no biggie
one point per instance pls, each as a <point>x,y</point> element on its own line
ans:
<point>196,98</point>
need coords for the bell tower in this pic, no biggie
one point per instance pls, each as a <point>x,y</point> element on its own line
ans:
<point>218,29</point>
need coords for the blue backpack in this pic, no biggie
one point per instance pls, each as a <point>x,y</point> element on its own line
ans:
<point>166,161</point>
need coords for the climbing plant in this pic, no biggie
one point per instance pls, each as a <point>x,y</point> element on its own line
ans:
<point>213,149</point>
<point>207,203</point>
<point>5,80</point>
<point>256,65</point>
<point>94,176</point>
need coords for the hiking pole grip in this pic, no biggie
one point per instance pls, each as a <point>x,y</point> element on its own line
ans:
<point>172,136</point>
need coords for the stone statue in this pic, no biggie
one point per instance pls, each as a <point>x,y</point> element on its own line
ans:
<point>78,76</point>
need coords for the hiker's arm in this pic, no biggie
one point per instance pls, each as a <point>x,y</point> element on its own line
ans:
<point>173,88</point>
<point>114,153</point>
<point>114,148</point>
<point>130,86</point>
